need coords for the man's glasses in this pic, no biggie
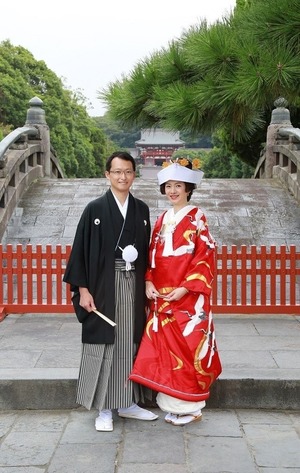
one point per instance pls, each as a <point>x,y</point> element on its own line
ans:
<point>119,173</point>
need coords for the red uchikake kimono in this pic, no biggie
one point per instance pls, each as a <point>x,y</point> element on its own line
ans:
<point>178,353</point>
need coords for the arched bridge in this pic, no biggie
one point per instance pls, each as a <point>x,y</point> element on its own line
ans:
<point>25,156</point>
<point>41,207</point>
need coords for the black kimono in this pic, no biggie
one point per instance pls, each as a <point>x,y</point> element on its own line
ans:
<point>92,262</point>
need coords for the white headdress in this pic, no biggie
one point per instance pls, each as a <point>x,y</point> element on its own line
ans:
<point>177,172</point>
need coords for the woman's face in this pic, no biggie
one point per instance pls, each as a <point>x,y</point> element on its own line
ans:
<point>176,193</point>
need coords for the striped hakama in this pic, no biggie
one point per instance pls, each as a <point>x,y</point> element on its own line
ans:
<point>103,375</point>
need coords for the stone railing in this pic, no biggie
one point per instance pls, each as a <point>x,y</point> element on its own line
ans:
<point>281,157</point>
<point>25,155</point>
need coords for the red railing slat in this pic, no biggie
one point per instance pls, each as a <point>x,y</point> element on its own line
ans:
<point>293,263</point>
<point>9,269</point>
<point>234,272</point>
<point>263,275</point>
<point>29,274</point>
<point>284,260</point>
<point>253,275</point>
<point>243,282</point>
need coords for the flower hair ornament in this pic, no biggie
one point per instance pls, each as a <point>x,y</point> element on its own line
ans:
<point>196,163</point>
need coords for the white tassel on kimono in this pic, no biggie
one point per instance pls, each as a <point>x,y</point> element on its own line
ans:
<point>155,323</point>
<point>155,318</point>
<point>153,258</point>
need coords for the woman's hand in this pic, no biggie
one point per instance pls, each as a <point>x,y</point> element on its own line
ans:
<point>176,294</point>
<point>86,299</point>
<point>151,291</point>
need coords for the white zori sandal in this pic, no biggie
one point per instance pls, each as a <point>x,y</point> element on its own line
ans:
<point>177,419</point>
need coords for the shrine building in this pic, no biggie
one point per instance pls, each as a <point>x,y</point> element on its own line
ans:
<point>157,145</point>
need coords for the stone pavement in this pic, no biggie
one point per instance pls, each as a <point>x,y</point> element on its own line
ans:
<point>251,422</point>
<point>226,441</point>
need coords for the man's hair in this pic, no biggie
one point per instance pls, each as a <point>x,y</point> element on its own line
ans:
<point>122,155</point>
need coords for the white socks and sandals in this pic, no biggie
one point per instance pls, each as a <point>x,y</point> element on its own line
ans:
<point>183,419</point>
<point>104,422</point>
<point>179,412</point>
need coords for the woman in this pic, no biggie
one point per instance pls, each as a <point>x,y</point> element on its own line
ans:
<point>178,355</point>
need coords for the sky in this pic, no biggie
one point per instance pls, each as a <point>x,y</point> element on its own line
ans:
<point>89,44</point>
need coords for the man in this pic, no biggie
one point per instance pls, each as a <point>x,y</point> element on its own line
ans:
<point>106,272</point>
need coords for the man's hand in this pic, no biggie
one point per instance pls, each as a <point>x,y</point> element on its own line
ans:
<point>86,299</point>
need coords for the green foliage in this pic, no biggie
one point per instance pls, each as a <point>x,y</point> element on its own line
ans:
<point>80,146</point>
<point>196,141</point>
<point>124,137</point>
<point>102,146</point>
<point>4,130</point>
<point>217,163</point>
<point>220,77</point>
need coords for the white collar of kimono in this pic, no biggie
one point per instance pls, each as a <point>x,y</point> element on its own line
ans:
<point>170,221</point>
<point>122,208</point>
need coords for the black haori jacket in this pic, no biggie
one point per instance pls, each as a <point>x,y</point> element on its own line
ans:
<point>92,263</point>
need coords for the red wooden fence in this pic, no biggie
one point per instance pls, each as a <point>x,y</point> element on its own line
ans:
<point>252,279</point>
<point>257,280</point>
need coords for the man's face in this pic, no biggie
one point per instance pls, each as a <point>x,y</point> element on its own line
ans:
<point>121,175</point>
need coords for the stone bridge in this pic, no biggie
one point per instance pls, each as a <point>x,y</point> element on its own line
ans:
<point>39,206</point>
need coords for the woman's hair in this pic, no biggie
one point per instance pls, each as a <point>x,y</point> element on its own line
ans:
<point>189,186</point>
<point>122,155</point>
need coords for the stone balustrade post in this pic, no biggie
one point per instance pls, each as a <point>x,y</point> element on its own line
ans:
<point>36,118</point>
<point>280,117</point>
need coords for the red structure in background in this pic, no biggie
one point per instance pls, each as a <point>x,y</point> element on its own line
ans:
<point>157,145</point>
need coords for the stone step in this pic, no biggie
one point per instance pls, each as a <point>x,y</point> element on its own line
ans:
<point>59,393</point>
<point>260,355</point>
